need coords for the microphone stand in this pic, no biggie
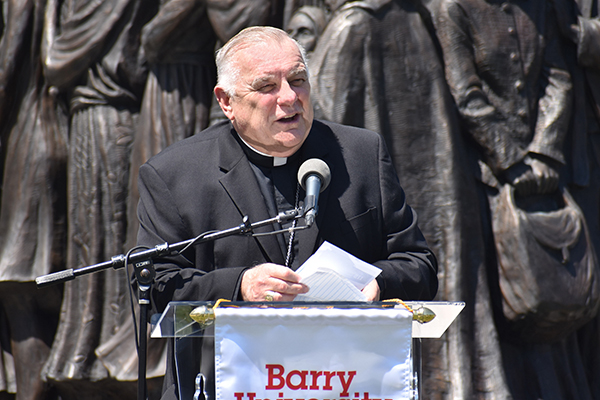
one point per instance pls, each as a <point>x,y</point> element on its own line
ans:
<point>145,273</point>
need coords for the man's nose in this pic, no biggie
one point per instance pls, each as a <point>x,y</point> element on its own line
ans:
<point>287,95</point>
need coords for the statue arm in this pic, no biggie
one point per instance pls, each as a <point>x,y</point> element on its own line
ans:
<point>17,20</point>
<point>581,29</point>
<point>588,42</point>
<point>554,104</point>
<point>337,70</point>
<point>72,43</point>
<point>173,20</point>
<point>228,17</point>
<point>486,125</point>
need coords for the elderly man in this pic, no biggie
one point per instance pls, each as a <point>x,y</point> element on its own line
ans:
<point>247,166</point>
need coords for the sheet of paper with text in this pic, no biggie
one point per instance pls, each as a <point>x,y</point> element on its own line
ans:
<point>333,274</point>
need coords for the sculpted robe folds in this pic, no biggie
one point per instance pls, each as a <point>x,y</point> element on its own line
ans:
<point>33,140</point>
<point>378,65</point>
<point>92,55</point>
<point>585,145</point>
<point>513,90</point>
<point>508,77</point>
<point>179,44</point>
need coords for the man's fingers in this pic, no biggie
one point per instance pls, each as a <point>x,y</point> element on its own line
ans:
<point>286,287</point>
<point>271,282</point>
<point>285,281</point>
<point>276,296</point>
<point>372,291</point>
<point>283,273</point>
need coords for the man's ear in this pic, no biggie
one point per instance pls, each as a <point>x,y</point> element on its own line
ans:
<point>225,102</point>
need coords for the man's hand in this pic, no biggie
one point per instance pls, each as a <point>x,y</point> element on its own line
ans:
<point>271,280</point>
<point>371,291</point>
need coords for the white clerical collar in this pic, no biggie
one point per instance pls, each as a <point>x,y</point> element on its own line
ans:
<point>276,161</point>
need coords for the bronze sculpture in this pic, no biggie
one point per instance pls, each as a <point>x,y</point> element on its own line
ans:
<point>33,213</point>
<point>579,24</point>
<point>92,57</point>
<point>306,26</point>
<point>514,93</point>
<point>378,65</point>
<point>448,160</point>
<point>179,43</point>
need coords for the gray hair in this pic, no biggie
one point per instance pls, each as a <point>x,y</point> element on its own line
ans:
<point>228,71</point>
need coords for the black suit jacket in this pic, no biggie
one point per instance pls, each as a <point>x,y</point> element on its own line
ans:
<point>206,183</point>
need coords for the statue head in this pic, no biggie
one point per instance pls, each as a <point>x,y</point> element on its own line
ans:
<point>306,26</point>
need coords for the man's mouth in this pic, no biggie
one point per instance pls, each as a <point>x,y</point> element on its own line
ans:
<point>291,118</point>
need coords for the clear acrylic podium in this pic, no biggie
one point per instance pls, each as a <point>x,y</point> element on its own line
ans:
<point>192,322</point>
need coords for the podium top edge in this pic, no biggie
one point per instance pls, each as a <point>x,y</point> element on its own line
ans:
<point>360,304</point>
<point>177,320</point>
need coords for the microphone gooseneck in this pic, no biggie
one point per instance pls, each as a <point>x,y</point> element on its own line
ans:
<point>314,176</point>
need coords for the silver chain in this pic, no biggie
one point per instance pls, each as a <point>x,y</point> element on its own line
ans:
<point>288,257</point>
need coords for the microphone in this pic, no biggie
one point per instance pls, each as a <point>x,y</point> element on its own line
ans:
<point>314,176</point>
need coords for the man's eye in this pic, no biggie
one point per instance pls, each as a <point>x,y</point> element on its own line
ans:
<point>266,88</point>
<point>298,81</point>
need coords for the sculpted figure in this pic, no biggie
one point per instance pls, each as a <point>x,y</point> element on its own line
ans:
<point>92,56</point>
<point>179,44</point>
<point>514,94</point>
<point>306,26</point>
<point>580,26</point>
<point>378,65</point>
<point>33,211</point>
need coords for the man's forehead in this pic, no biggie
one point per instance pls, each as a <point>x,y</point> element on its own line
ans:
<point>263,62</point>
<point>260,65</point>
<point>267,51</point>
<point>267,73</point>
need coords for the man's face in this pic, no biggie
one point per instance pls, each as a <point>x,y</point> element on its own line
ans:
<point>271,108</point>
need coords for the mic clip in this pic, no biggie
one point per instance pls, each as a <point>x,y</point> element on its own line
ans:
<point>289,215</point>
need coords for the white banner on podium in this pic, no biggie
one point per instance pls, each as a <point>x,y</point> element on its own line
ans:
<point>312,354</point>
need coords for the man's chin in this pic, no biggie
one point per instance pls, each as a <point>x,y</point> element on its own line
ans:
<point>288,144</point>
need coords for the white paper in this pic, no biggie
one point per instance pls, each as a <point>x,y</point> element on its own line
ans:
<point>333,274</point>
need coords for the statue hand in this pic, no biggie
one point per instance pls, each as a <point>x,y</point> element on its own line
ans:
<point>566,17</point>
<point>521,177</point>
<point>546,177</point>
<point>533,176</point>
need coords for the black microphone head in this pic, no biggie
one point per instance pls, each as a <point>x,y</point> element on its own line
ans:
<point>314,166</point>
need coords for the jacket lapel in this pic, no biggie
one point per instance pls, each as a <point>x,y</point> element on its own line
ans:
<point>240,183</point>
<point>309,239</point>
